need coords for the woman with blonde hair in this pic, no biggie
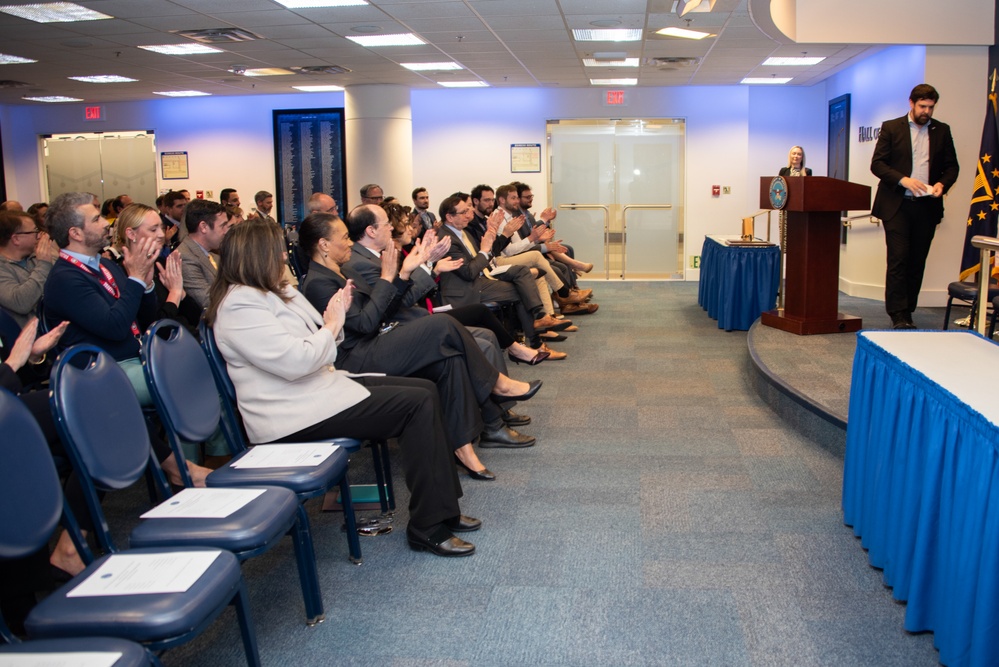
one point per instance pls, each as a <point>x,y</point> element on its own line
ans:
<point>795,163</point>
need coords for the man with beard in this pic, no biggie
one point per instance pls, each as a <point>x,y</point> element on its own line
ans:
<point>916,162</point>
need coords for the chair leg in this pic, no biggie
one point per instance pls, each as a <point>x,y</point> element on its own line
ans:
<point>389,487</point>
<point>353,543</point>
<point>305,554</point>
<point>380,464</point>
<point>240,601</point>
<point>950,300</point>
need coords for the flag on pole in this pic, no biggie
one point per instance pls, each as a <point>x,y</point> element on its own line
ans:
<point>984,212</point>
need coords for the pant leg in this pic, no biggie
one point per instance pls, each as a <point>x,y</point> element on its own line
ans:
<point>477,315</point>
<point>907,237</point>
<point>407,409</point>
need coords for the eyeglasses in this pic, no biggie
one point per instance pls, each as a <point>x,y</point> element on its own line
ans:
<point>36,232</point>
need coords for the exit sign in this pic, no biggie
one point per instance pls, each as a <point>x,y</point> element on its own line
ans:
<point>615,98</point>
<point>93,113</point>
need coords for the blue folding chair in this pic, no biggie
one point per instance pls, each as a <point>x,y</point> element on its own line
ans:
<point>33,504</point>
<point>233,429</point>
<point>109,455</point>
<point>132,654</point>
<point>9,331</point>
<point>180,382</point>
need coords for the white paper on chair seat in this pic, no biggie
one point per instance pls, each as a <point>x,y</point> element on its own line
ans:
<point>203,504</point>
<point>291,455</point>
<point>142,574</point>
<point>68,659</point>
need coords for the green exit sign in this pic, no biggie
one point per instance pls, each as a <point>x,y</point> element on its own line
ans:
<point>695,261</point>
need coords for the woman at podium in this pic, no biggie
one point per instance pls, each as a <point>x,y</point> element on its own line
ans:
<point>795,163</point>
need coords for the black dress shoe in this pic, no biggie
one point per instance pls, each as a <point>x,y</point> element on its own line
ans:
<point>483,475</point>
<point>901,320</point>
<point>439,541</point>
<point>463,524</point>
<point>505,436</point>
<point>531,391</point>
<point>511,418</point>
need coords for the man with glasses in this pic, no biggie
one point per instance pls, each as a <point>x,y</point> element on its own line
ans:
<point>372,194</point>
<point>27,256</point>
<point>322,203</point>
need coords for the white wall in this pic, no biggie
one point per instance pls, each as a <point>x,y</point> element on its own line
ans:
<point>879,90</point>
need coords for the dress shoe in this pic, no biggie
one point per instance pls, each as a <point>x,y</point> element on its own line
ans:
<point>571,329</point>
<point>483,475</point>
<point>582,293</point>
<point>463,524</point>
<point>439,541</point>
<point>505,436</point>
<point>511,418</point>
<point>549,323</point>
<point>578,308</point>
<point>533,361</point>
<point>552,354</point>
<point>902,321</point>
<point>572,298</point>
<point>553,337</point>
<point>531,390</point>
<point>585,267</point>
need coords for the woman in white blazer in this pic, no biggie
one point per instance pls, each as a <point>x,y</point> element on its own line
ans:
<point>280,353</point>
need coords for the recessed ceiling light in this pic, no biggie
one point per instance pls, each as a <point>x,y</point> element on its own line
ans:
<point>319,89</point>
<point>605,23</point>
<point>463,84</point>
<point>267,71</point>
<point>366,29</point>
<point>793,60</point>
<point>180,93</point>
<point>618,35</point>
<point>14,60</point>
<point>52,98</point>
<point>624,62</point>
<point>405,39</point>
<point>103,78</point>
<point>431,67</point>
<point>307,4</point>
<point>614,82</point>
<point>54,12</point>
<point>766,79</point>
<point>180,49</point>
<point>684,33</point>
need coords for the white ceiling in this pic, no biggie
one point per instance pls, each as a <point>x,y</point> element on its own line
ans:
<point>511,43</point>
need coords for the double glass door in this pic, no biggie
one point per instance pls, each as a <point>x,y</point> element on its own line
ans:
<point>618,186</point>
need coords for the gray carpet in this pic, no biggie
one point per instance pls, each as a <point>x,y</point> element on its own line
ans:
<point>666,517</point>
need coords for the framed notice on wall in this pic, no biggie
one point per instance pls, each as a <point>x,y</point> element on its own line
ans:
<point>173,165</point>
<point>525,158</point>
<point>308,158</point>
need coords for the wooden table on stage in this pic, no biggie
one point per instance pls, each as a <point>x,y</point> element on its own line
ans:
<point>811,281</point>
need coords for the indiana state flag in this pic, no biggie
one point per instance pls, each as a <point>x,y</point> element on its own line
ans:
<point>982,217</point>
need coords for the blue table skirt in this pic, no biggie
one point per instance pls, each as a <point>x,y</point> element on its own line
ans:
<point>737,284</point>
<point>921,489</point>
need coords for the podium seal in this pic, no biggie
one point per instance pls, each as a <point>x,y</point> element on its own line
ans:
<point>778,192</point>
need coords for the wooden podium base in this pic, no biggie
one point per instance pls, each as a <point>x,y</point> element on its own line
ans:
<point>841,324</point>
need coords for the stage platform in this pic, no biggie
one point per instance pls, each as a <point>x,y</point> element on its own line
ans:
<point>806,379</point>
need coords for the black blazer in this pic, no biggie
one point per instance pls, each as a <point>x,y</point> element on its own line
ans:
<point>786,171</point>
<point>892,161</point>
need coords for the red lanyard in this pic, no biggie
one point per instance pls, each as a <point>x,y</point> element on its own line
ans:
<point>104,278</point>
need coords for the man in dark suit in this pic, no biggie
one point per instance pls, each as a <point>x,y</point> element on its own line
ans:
<point>207,224</point>
<point>917,164</point>
<point>474,282</point>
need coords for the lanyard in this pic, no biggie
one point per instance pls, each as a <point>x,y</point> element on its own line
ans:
<point>104,278</point>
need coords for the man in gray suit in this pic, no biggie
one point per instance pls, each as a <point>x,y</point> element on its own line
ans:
<point>207,223</point>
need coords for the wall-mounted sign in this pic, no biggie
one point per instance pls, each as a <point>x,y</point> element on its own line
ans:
<point>95,112</point>
<point>615,98</point>
<point>174,165</point>
<point>525,158</point>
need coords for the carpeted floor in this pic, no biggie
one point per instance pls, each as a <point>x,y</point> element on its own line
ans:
<point>666,517</point>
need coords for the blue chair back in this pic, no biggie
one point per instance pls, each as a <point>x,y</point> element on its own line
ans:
<point>232,426</point>
<point>99,417</point>
<point>180,381</point>
<point>30,493</point>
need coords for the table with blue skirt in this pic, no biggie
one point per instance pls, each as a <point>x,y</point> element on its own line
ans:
<point>737,283</point>
<point>921,481</point>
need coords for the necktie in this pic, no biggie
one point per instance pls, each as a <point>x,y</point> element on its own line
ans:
<point>467,240</point>
<point>211,258</point>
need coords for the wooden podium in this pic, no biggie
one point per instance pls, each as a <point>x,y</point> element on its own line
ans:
<point>811,280</point>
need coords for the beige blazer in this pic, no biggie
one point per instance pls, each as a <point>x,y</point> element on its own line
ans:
<point>198,270</point>
<point>281,363</point>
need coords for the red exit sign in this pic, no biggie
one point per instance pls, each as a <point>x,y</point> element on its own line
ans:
<point>93,113</point>
<point>615,98</point>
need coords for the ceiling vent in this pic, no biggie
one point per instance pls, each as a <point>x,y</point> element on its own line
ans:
<point>320,69</point>
<point>7,83</point>
<point>672,62</point>
<point>218,35</point>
